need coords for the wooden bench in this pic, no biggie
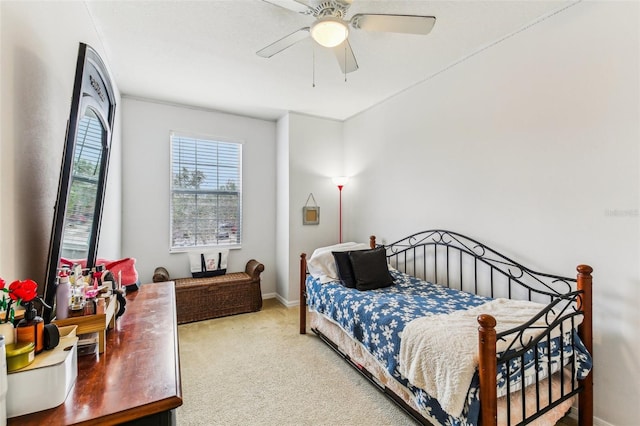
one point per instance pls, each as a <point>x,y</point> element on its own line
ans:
<point>199,299</point>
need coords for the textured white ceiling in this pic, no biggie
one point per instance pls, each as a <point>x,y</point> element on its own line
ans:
<point>202,53</point>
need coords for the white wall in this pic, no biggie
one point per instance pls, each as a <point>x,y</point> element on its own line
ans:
<point>315,156</point>
<point>531,146</point>
<point>146,173</point>
<point>39,48</point>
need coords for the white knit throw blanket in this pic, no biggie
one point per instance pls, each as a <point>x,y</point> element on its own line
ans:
<point>439,353</point>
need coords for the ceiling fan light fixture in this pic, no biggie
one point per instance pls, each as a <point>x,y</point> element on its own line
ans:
<point>329,32</point>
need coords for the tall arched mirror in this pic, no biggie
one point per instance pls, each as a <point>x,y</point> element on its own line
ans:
<point>83,175</point>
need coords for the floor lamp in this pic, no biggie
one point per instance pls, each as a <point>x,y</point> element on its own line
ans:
<point>340,181</point>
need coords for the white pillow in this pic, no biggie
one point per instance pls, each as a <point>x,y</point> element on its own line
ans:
<point>321,264</point>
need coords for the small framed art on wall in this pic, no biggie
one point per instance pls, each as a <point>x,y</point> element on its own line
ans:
<point>311,213</point>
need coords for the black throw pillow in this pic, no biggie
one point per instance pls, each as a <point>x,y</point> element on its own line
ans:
<point>370,268</point>
<point>345,271</point>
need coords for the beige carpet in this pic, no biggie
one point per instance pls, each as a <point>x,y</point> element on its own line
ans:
<point>255,369</point>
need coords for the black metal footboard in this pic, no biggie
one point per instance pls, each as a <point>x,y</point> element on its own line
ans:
<point>560,318</point>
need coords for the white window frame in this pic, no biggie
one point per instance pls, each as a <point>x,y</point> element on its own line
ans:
<point>237,244</point>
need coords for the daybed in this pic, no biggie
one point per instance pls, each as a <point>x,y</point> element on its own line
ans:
<point>414,334</point>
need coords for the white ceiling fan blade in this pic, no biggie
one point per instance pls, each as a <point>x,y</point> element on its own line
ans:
<point>408,24</point>
<point>346,58</point>
<point>283,43</point>
<point>292,5</point>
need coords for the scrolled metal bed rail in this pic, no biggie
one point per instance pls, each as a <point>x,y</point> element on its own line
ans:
<point>454,260</point>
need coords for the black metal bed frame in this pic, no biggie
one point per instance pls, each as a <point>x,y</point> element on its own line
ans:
<point>456,261</point>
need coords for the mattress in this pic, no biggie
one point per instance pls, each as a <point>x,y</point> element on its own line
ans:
<point>373,321</point>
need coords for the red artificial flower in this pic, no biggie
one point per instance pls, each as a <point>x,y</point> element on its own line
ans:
<point>24,290</point>
<point>1,284</point>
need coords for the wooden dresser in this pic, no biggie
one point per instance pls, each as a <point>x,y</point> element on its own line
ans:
<point>137,379</point>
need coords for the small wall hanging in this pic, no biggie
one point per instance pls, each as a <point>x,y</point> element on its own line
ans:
<point>311,213</point>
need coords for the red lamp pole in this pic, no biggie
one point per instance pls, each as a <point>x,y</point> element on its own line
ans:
<point>340,182</point>
<point>340,189</point>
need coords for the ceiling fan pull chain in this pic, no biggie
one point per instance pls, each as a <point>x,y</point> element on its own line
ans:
<point>313,72</point>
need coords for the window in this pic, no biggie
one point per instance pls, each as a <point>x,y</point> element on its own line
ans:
<point>83,187</point>
<point>206,192</point>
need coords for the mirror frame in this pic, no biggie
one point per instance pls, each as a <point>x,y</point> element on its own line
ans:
<point>92,90</point>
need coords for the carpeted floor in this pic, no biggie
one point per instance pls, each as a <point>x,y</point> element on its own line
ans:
<point>255,369</point>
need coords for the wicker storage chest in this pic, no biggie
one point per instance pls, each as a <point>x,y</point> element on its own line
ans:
<point>205,298</point>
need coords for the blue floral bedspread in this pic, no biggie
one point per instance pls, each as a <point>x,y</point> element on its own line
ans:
<point>376,319</point>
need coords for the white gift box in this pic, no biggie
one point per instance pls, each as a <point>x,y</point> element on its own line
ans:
<point>46,382</point>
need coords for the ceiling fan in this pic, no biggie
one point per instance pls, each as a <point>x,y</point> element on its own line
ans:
<point>331,30</point>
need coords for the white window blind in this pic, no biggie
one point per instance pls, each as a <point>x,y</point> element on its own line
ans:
<point>83,187</point>
<point>206,192</point>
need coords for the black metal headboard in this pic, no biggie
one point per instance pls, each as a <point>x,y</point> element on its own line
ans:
<point>454,260</point>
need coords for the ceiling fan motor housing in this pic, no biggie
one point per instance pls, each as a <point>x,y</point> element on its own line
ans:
<point>332,8</point>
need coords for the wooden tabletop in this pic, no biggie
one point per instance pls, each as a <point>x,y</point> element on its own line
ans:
<point>137,376</point>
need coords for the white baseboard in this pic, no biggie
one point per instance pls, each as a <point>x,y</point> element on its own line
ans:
<point>281,299</point>
<point>600,422</point>
<point>284,301</point>
<point>596,421</point>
